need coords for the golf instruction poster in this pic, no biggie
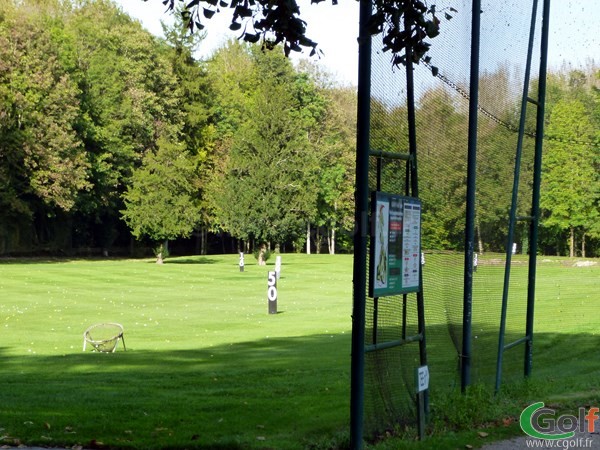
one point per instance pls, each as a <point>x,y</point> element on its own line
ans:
<point>395,262</point>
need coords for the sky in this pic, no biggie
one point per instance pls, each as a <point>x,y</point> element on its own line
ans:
<point>335,28</point>
<point>574,35</point>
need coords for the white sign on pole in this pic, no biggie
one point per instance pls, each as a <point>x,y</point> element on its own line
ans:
<point>422,378</point>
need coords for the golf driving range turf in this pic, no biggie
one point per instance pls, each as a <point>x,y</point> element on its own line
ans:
<point>206,366</point>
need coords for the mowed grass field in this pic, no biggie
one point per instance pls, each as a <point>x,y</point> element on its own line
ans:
<point>206,366</point>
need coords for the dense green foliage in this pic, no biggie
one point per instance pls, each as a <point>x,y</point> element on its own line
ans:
<point>161,201</point>
<point>268,187</point>
<point>570,202</point>
<point>571,196</point>
<point>108,134</point>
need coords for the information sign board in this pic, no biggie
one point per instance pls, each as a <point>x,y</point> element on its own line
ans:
<point>395,262</point>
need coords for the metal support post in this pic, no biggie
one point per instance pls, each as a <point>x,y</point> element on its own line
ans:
<point>470,214</point>
<point>361,230</point>
<point>537,178</point>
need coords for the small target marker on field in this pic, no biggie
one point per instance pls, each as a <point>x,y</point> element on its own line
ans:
<point>278,267</point>
<point>241,261</point>
<point>272,292</point>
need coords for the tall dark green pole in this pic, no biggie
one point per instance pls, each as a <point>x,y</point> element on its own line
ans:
<point>512,223</point>
<point>414,191</point>
<point>361,220</point>
<point>471,180</point>
<point>537,179</point>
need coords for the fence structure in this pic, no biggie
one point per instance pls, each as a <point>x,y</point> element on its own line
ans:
<point>462,133</point>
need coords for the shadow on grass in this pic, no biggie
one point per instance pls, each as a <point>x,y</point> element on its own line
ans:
<point>273,393</point>
<point>290,392</point>
<point>68,259</point>
<point>6,260</point>
<point>193,260</point>
<point>562,363</point>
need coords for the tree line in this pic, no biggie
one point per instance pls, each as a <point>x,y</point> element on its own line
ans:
<point>113,138</point>
<point>570,190</point>
<point>107,132</point>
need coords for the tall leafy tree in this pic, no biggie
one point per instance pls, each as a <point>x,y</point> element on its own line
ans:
<point>442,165</point>
<point>571,183</point>
<point>129,98</point>
<point>232,77</point>
<point>267,187</point>
<point>196,104</point>
<point>335,148</point>
<point>162,203</point>
<point>43,167</point>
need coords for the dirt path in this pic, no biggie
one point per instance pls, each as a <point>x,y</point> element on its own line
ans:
<point>579,441</point>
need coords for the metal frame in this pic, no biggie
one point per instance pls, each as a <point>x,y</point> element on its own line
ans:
<point>533,219</point>
<point>361,232</point>
<point>465,356</point>
<point>364,152</point>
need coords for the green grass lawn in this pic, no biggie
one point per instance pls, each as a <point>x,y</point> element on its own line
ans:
<point>206,366</point>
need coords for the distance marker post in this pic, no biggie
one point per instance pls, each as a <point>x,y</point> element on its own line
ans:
<point>278,266</point>
<point>272,292</point>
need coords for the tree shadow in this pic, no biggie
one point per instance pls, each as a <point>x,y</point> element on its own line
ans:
<point>9,260</point>
<point>225,396</point>
<point>291,391</point>
<point>192,260</point>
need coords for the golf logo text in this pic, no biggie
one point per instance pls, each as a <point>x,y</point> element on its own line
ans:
<point>541,423</point>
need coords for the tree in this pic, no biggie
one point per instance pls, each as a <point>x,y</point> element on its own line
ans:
<point>266,190</point>
<point>43,166</point>
<point>232,79</point>
<point>193,86</point>
<point>85,94</point>
<point>194,95</point>
<point>162,201</point>
<point>128,96</point>
<point>442,168</point>
<point>571,184</point>
<point>335,148</point>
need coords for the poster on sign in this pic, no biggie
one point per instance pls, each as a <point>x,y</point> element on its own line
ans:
<point>395,259</point>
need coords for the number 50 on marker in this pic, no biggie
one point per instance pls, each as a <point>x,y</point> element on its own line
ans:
<point>272,292</point>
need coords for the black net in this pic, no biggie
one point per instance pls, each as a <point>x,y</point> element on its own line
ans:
<point>442,107</point>
<point>567,287</point>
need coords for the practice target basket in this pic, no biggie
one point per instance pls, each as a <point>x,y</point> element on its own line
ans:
<point>104,337</point>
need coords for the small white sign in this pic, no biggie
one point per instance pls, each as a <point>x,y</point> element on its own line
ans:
<point>422,374</point>
<point>278,267</point>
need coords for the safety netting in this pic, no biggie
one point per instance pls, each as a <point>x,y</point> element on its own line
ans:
<point>567,289</point>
